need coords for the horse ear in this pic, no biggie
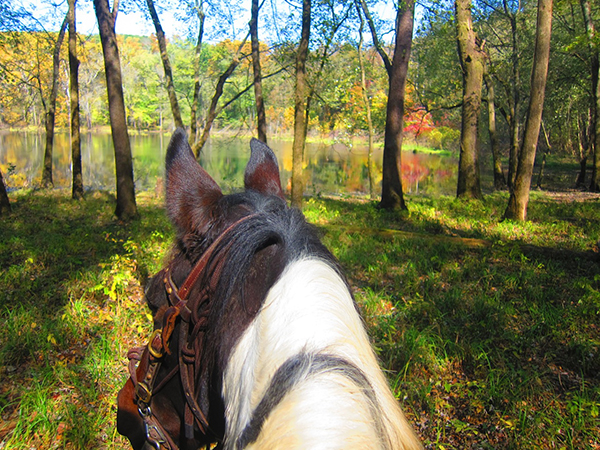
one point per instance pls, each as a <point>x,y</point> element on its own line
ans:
<point>262,171</point>
<point>191,193</point>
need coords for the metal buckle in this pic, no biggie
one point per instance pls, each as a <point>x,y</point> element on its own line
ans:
<point>144,394</point>
<point>155,353</point>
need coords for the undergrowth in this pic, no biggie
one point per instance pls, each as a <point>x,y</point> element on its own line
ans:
<point>488,330</point>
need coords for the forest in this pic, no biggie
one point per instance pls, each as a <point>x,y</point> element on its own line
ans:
<point>483,306</point>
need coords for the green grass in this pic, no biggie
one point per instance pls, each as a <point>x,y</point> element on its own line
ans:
<point>488,330</point>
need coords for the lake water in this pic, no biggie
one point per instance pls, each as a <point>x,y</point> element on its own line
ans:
<point>336,169</point>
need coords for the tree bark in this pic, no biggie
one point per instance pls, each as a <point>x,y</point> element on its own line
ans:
<point>77,188</point>
<point>471,61</point>
<point>126,207</point>
<point>300,124</point>
<point>198,51</point>
<point>51,112</point>
<point>519,197</point>
<point>261,121</point>
<point>164,56</point>
<point>4,201</point>
<point>391,185</point>
<point>595,72</point>
<point>499,180</point>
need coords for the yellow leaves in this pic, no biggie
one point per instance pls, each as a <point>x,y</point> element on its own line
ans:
<point>51,339</point>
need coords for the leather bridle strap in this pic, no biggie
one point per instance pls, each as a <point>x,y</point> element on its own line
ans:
<point>158,345</point>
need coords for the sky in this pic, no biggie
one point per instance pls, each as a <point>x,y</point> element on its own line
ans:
<point>134,22</point>
<point>127,22</point>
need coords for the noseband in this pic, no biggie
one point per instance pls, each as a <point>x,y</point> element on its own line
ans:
<point>146,361</point>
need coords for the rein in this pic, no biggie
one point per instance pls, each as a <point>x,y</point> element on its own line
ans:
<point>148,359</point>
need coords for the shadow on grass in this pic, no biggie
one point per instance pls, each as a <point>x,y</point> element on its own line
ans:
<point>70,303</point>
<point>493,342</point>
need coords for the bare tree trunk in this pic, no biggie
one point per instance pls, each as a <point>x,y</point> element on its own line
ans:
<point>545,155</point>
<point>584,145</point>
<point>51,112</point>
<point>471,61</point>
<point>300,125</point>
<point>212,111</point>
<point>595,72</point>
<point>126,206</point>
<point>367,103</point>
<point>77,189</point>
<point>198,51</point>
<point>499,181</point>
<point>513,157</point>
<point>162,45</point>
<point>4,201</point>
<point>261,120</point>
<point>519,197</point>
<point>391,186</point>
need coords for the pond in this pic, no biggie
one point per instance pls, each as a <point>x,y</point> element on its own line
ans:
<point>329,169</point>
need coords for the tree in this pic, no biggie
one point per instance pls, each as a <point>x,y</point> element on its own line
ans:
<point>519,196</point>
<point>51,109</point>
<point>499,180</point>
<point>397,69</point>
<point>213,111</point>
<point>472,63</point>
<point>261,121</point>
<point>4,201</point>
<point>126,207</point>
<point>300,123</point>
<point>199,9</point>
<point>366,102</point>
<point>595,72</point>
<point>77,189</point>
<point>162,45</point>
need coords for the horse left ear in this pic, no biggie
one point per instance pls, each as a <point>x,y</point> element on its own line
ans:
<point>191,193</point>
<point>262,171</point>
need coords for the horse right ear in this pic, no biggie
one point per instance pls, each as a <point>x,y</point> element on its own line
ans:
<point>191,193</point>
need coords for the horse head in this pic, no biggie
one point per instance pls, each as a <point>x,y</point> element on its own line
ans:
<point>201,214</point>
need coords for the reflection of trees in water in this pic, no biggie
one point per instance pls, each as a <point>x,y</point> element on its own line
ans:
<point>329,169</point>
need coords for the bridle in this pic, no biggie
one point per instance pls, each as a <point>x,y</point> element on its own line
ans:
<point>145,361</point>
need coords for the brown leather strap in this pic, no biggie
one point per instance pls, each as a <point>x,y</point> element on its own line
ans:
<point>203,261</point>
<point>144,375</point>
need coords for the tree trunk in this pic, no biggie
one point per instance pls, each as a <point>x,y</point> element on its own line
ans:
<point>499,180</point>
<point>519,197</point>
<point>162,45</point>
<point>198,51</point>
<point>4,201</point>
<point>367,103</point>
<point>397,70</point>
<point>595,72</point>
<point>126,206</point>
<point>514,124</point>
<point>584,145</point>
<point>77,189</point>
<point>300,125</point>
<point>471,62</point>
<point>51,112</point>
<point>212,111</point>
<point>261,121</point>
<point>544,157</point>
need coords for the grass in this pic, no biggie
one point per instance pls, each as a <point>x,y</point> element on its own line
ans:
<point>488,330</point>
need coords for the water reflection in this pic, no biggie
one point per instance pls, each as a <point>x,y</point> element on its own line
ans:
<point>329,169</point>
